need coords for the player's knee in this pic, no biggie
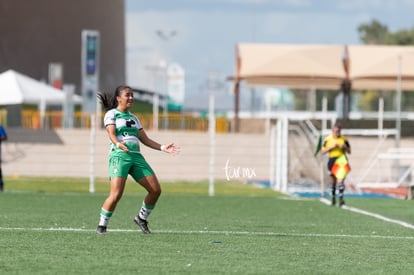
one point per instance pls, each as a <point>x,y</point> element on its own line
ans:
<point>115,196</point>
<point>156,191</point>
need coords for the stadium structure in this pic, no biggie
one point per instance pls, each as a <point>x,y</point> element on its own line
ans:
<point>35,34</point>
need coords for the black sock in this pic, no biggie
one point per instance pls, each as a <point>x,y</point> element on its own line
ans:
<point>341,189</point>
<point>333,191</point>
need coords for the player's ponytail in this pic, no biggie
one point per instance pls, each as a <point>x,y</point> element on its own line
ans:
<point>110,102</point>
<point>105,100</point>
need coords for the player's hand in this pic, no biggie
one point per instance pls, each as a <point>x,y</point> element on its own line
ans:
<point>122,146</point>
<point>170,149</point>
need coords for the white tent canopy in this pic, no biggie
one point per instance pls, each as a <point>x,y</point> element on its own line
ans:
<point>377,67</point>
<point>381,67</point>
<point>322,66</point>
<point>16,88</point>
<point>295,66</point>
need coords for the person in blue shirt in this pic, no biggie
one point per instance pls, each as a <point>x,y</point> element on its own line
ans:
<point>3,137</point>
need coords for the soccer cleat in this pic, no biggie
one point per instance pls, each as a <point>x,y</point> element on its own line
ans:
<point>143,225</point>
<point>101,229</point>
<point>333,201</point>
<point>341,202</point>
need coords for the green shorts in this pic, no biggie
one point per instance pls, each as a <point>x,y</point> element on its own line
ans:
<point>122,164</point>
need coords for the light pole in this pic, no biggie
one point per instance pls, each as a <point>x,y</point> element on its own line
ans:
<point>165,36</point>
<point>155,72</point>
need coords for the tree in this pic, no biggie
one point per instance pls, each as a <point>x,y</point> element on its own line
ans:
<point>403,37</point>
<point>376,33</point>
<point>373,33</point>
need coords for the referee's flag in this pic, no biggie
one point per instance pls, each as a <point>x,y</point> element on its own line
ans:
<point>318,146</point>
<point>341,167</point>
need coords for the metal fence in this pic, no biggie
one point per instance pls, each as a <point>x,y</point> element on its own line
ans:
<point>31,119</point>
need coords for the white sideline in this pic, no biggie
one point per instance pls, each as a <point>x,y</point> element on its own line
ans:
<point>374,215</point>
<point>206,232</point>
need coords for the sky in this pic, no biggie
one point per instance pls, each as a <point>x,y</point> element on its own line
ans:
<point>200,35</point>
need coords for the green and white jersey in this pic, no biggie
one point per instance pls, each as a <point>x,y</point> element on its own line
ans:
<point>127,128</point>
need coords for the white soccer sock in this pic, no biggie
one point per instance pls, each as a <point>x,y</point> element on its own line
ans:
<point>145,211</point>
<point>105,217</point>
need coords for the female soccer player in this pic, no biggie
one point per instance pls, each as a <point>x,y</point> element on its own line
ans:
<point>125,132</point>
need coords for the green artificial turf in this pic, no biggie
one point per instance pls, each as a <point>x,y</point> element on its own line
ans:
<point>47,226</point>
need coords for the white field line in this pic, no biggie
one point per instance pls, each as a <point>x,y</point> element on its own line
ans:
<point>206,232</point>
<point>374,215</point>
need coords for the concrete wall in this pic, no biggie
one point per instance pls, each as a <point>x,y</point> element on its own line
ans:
<point>66,153</point>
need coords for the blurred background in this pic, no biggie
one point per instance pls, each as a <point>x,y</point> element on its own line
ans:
<point>181,59</point>
<point>183,51</point>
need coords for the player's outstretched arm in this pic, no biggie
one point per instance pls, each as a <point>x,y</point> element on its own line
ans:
<point>169,148</point>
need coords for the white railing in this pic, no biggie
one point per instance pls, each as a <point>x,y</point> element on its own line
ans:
<point>279,155</point>
<point>397,174</point>
<point>399,168</point>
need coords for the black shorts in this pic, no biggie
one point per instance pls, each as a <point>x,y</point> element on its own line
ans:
<point>331,162</point>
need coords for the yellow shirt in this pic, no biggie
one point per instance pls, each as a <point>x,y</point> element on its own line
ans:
<point>331,141</point>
